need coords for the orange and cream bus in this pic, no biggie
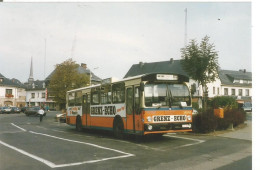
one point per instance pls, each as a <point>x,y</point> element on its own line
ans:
<point>141,105</point>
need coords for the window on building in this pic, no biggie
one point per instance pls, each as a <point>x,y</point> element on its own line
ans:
<point>43,95</point>
<point>247,92</point>
<point>240,92</point>
<point>233,92</point>
<point>33,95</point>
<point>218,90</point>
<point>225,91</point>
<point>214,90</point>
<point>8,92</point>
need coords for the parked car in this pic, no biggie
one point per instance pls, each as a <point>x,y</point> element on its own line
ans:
<point>61,117</point>
<point>247,107</point>
<point>1,109</point>
<point>7,109</point>
<point>23,109</point>
<point>33,111</point>
<point>16,110</point>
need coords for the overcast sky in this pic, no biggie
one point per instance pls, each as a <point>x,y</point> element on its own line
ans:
<point>111,37</point>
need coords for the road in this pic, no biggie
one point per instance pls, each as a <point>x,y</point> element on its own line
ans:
<point>26,143</point>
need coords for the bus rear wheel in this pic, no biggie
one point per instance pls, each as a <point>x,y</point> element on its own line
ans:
<point>78,124</point>
<point>118,128</point>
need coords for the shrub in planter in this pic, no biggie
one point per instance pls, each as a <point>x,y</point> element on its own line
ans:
<point>204,122</point>
<point>231,116</point>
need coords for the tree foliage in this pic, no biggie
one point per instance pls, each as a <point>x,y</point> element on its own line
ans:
<point>200,61</point>
<point>66,77</point>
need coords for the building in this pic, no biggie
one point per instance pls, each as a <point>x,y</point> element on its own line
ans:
<point>237,84</point>
<point>12,92</point>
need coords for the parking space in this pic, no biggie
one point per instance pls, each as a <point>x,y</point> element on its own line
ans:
<point>64,152</point>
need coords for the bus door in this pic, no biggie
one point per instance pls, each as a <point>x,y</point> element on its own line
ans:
<point>85,108</point>
<point>132,110</point>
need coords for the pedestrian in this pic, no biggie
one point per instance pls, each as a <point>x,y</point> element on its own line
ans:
<point>41,112</point>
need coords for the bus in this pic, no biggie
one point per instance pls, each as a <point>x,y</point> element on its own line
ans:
<point>140,105</point>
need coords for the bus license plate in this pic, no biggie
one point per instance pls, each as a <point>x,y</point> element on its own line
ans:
<point>170,118</point>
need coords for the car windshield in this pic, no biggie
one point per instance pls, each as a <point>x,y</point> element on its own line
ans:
<point>157,95</point>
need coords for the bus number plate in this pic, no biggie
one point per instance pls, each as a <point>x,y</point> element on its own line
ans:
<point>170,118</point>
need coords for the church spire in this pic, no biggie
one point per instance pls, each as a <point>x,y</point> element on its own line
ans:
<point>30,80</point>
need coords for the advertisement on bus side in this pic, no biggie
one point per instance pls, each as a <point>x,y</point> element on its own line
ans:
<point>109,110</point>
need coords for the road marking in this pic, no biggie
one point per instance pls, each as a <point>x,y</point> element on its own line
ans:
<point>18,127</point>
<point>198,141</point>
<point>53,165</point>
<point>75,141</point>
<point>50,164</point>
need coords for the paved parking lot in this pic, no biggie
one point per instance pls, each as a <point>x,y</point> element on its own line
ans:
<point>52,145</point>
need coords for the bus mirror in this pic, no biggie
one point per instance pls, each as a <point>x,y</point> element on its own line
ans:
<point>142,86</point>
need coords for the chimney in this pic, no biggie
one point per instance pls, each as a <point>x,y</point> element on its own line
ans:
<point>141,64</point>
<point>171,60</point>
<point>84,65</point>
<point>242,70</point>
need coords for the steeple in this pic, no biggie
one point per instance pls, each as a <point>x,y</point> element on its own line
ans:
<point>30,80</point>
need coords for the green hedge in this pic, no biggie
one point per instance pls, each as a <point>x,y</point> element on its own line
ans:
<point>205,121</point>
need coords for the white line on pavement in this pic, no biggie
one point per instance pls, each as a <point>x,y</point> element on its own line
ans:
<point>50,164</point>
<point>81,143</point>
<point>18,127</point>
<point>198,141</point>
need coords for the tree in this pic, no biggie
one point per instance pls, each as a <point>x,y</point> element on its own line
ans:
<point>200,61</point>
<point>66,77</point>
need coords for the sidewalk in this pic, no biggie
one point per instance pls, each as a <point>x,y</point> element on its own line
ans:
<point>243,133</point>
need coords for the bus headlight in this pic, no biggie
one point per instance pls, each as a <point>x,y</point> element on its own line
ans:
<point>149,119</point>
<point>189,117</point>
<point>150,127</point>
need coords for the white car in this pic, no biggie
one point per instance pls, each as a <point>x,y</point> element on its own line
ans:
<point>6,109</point>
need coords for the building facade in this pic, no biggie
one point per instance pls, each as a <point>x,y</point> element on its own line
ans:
<point>12,92</point>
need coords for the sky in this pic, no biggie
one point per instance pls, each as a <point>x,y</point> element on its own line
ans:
<point>111,37</point>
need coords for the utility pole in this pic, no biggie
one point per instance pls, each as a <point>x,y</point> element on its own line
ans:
<point>44,57</point>
<point>185,34</point>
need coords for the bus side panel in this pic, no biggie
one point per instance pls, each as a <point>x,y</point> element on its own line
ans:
<point>71,120</point>
<point>139,124</point>
<point>84,120</point>
<point>129,123</point>
<point>105,122</point>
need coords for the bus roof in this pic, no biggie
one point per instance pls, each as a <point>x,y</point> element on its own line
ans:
<point>118,81</point>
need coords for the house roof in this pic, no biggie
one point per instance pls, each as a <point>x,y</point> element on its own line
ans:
<point>227,77</point>
<point>171,66</point>
<point>81,70</point>
<point>10,82</point>
<point>36,85</point>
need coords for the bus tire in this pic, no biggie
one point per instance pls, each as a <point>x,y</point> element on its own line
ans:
<point>118,128</point>
<point>78,124</point>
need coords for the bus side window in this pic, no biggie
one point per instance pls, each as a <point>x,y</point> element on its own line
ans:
<point>78,98</point>
<point>95,96</point>
<point>71,99</point>
<point>118,93</point>
<point>106,94</point>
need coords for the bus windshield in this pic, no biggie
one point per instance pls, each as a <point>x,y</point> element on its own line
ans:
<point>171,95</point>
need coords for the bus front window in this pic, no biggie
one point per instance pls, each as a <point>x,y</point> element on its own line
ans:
<point>157,95</point>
